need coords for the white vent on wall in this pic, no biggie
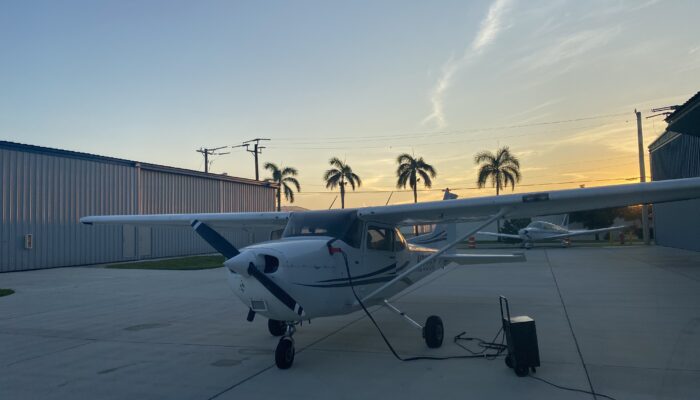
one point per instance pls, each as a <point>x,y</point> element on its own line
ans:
<point>28,241</point>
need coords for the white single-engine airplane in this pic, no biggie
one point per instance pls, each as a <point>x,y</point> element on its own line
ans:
<point>336,262</point>
<point>537,231</point>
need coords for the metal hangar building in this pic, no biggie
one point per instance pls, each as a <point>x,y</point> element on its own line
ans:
<point>46,191</point>
<point>674,155</point>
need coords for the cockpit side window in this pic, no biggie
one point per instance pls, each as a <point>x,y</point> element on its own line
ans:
<point>379,238</point>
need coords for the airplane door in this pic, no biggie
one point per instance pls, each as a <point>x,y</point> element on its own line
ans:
<point>379,258</point>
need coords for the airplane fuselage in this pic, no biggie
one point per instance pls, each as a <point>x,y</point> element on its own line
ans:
<point>305,268</point>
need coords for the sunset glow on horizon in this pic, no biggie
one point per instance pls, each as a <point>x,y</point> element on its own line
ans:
<point>555,81</point>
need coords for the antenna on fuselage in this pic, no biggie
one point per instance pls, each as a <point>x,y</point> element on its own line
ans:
<point>333,202</point>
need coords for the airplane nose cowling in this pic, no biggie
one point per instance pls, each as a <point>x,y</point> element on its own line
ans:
<point>239,264</point>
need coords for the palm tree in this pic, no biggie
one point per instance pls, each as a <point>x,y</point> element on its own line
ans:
<point>284,178</point>
<point>503,169</point>
<point>340,175</point>
<point>411,170</point>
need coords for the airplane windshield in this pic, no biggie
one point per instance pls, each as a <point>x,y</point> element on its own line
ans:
<point>546,226</point>
<point>336,224</point>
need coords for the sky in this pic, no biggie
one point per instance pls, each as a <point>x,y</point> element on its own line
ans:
<point>557,81</point>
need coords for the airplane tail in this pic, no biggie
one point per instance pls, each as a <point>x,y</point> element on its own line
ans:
<point>441,233</point>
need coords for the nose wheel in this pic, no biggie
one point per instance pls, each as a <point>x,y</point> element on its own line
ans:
<point>284,353</point>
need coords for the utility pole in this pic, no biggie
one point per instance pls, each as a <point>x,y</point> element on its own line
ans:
<point>210,152</point>
<point>257,149</point>
<point>642,176</point>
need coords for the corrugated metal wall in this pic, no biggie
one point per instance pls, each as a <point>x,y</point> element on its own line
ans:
<point>46,194</point>
<point>676,224</point>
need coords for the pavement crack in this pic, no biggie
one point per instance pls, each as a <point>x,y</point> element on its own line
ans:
<point>244,380</point>
<point>50,353</point>
<point>571,327</point>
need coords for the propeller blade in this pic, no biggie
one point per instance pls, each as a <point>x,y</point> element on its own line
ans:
<point>215,240</point>
<point>224,247</point>
<point>277,291</point>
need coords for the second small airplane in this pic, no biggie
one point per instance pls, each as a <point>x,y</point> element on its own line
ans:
<point>538,231</point>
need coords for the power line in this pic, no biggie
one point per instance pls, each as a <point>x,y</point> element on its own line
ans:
<point>465,130</point>
<point>602,168</point>
<point>301,146</point>
<point>475,187</point>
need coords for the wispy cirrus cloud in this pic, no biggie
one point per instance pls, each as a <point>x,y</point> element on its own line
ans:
<point>490,27</point>
<point>568,48</point>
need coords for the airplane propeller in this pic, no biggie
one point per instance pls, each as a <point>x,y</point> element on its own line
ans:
<point>223,246</point>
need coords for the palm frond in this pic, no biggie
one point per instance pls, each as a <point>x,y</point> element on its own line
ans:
<point>485,172</point>
<point>332,177</point>
<point>330,173</point>
<point>427,167</point>
<point>513,171</point>
<point>290,171</point>
<point>404,158</point>
<point>484,156</point>
<point>356,179</point>
<point>427,182</point>
<point>270,167</point>
<point>293,181</point>
<point>335,162</point>
<point>402,168</point>
<point>288,193</point>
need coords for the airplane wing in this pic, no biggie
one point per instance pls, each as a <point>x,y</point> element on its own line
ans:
<point>524,205</point>
<point>587,232</point>
<point>214,220</point>
<point>532,204</point>
<point>505,235</point>
<point>481,258</point>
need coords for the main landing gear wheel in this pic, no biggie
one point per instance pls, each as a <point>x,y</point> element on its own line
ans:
<point>433,332</point>
<point>521,371</point>
<point>276,328</point>
<point>284,354</point>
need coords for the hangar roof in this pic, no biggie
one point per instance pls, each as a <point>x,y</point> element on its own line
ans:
<point>686,118</point>
<point>130,163</point>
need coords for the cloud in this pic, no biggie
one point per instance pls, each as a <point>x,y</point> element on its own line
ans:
<point>491,25</point>
<point>436,97</point>
<point>568,48</point>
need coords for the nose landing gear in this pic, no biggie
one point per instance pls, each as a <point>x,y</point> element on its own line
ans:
<point>284,354</point>
<point>276,328</point>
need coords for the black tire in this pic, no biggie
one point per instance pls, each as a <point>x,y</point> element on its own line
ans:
<point>284,354</point>
<point>521,371</point>
<point>276,328</point>
<point>509,361</point>
<point>433,332</point>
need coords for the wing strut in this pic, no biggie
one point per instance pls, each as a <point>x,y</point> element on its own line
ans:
<point>435,255</point>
